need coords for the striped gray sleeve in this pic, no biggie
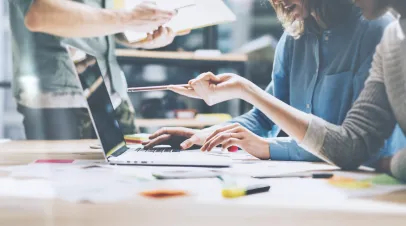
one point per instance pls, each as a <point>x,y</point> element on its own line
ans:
<point>314,137</point>
<point>398,165</point>
<point>362,134</point>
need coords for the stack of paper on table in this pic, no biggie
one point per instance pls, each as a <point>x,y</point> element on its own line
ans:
<point>203,13</point>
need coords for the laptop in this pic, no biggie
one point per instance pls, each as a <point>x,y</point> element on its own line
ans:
<point>111,137</point>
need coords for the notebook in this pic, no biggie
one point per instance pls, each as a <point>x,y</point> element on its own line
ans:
<point>192,14</point>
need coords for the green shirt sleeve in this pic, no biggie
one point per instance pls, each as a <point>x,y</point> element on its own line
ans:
<point>23,5</point>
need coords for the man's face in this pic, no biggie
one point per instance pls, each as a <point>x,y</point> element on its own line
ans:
<point>372,9</point>
<point>296,9</point>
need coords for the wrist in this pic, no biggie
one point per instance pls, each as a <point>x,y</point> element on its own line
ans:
<point>122,19</point>
<point>248,91</point>
<point>384,165</point>
<point>265,150</point>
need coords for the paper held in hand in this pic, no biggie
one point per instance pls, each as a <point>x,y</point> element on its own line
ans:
<point>192,14</point>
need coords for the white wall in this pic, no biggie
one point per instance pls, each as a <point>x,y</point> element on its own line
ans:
<point>2,67</point>
<point>10,121</point>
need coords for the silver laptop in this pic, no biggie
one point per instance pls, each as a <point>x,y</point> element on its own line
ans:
<point>109,133</point>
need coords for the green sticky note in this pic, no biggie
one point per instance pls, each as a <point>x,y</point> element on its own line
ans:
<point>384,179</point>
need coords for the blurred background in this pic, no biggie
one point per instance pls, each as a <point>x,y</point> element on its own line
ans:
<point>254,34</point>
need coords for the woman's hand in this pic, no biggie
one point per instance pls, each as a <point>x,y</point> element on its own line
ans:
<point>237,135</point>
<point>176,137</point>
<point>215,89</point>
<point>147,17</point>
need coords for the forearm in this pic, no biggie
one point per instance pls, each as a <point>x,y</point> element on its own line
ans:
<point>287,149</point>
<point>366,126</point>
<point>71,19</point>
<point>291,120</point>
<point>398,165</point>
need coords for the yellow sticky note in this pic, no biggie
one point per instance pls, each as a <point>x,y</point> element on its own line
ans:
<point>118,4</point>
<point>348,183</point>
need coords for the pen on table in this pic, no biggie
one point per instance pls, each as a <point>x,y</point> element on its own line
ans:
<point>154,88</point>
<point>311,175</point>
<point>250,190</point>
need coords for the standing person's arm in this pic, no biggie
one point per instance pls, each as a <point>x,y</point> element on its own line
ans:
<point>67,18</point>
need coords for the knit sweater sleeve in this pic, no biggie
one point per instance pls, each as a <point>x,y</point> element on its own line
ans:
<point>362,134</point>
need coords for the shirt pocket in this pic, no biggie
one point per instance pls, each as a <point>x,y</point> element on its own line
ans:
<point>335,96</point>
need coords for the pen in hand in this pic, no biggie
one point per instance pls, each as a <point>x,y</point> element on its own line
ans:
<point>185,6</point>
<point>155,88</point>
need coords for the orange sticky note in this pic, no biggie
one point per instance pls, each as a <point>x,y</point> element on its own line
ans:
<point>159,194</point>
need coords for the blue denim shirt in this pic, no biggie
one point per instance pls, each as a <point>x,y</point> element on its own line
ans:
<point>321,74</point>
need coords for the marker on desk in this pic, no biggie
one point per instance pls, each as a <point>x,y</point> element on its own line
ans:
<point>322,175</point>
<point>238,192</point>
<point>311,175</point>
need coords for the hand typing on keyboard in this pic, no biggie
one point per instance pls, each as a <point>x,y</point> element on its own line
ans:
<point>175,137</point>
<point>156,150</point>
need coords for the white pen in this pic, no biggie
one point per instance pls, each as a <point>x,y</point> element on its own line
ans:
<point>154,88</point>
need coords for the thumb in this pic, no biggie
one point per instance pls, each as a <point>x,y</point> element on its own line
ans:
<point>212,78</point>
<point>182,33</point>
<point>183,91</point>
<point>190,142</point>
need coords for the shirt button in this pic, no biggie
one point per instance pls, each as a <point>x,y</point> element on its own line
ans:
<point>326,38</point>
<point>308,106</point>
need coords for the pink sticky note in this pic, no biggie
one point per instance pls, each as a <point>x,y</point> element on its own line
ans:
<point>54,161</point>
<point>233,149</point>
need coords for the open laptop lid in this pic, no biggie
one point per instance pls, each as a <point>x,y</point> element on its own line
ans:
<point>100,107</point>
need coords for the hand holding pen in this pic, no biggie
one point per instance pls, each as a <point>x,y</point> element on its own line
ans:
<point>156,88</point>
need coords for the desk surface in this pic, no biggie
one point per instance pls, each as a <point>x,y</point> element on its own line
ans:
<point>179,55</point>
<point>383,210</point>
<point>23,152</point>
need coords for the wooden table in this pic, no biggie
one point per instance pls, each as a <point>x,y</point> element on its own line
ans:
<point>188,56</point>
<point>23,152</point>
<point>384,210</point>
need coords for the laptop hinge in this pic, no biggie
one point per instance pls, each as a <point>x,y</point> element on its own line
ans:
<point>119,152</point>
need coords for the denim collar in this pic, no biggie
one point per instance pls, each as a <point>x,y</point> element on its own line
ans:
<point>347,22</point>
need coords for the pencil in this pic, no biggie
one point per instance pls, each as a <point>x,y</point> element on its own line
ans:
<point>153,88</point>
<point>185,6</point>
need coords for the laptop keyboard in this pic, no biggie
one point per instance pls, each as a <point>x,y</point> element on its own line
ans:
<point>155,150</point>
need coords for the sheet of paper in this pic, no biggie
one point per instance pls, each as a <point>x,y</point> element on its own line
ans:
<point>48,169</point>
<point>2,141</point>
<point>204,13</point>
<point>34,188</point>
<point>95,185</point>
<point>70,182</point>
<point>375,184</point>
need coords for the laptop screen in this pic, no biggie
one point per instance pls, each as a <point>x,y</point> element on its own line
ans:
<point>100,106</point>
